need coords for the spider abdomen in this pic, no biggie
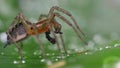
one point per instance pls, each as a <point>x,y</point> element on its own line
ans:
<point>17,34</point>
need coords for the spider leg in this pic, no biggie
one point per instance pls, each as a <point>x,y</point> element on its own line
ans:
<point>42,16</point>
<point>18,19</point>
<point>19,48</point>
<point>56,39</point>
<point>57,28</point>
<point>39,41</point>
<point>63,44</point>
<point>41,46</point>
<point>67,13</point>
<point>50,18</point>
<point>70,24</point>
<point>21,19</point>
<point>47,34</point>
<point>52,40</point>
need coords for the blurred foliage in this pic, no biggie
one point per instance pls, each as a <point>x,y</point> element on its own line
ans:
<point>99,19</point>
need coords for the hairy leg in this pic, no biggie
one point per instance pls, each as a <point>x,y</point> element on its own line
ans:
<point>50,19</point>
<point>18,19</point>
<point>42,16</point>
<point>70,24</point>
<point>39,41</point>
<point>67,13</point>
<point>17,46</point>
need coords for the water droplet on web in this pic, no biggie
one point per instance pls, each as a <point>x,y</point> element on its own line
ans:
<point>15,62</point>
<point>40,56</point>
<point>100,48</point>
<point>107,47</point>
<point>60,57</point>
<point>47,54</point>
<point>34,53</point>
<point>86,53</point>
<point>68,55</point>
<point>42,60</point>
<point>37,52</point>
<point>56,59</point>
<point>116,45</point>
<point>2,53</point>
<point>23,61</point>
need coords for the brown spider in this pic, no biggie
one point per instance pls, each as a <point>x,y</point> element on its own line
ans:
<point>21,28</point>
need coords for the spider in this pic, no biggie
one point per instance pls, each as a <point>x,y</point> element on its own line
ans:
<point>21,28</point>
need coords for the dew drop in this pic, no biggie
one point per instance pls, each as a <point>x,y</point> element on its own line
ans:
<point>40,56</point>
<point>34,53</point>
<point>68,55</point>
<point>107,47</point>
<point>100,49</point>
<point>2,53</point>
<point>56,59</point>
<point>15,62</point>
<point>86,53</point>
<point>42,60</point>
<point>23,61</point>
<point>116,45</point>
<point>37,52</point>
<point>47,54</point>
<point>60,57</point>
